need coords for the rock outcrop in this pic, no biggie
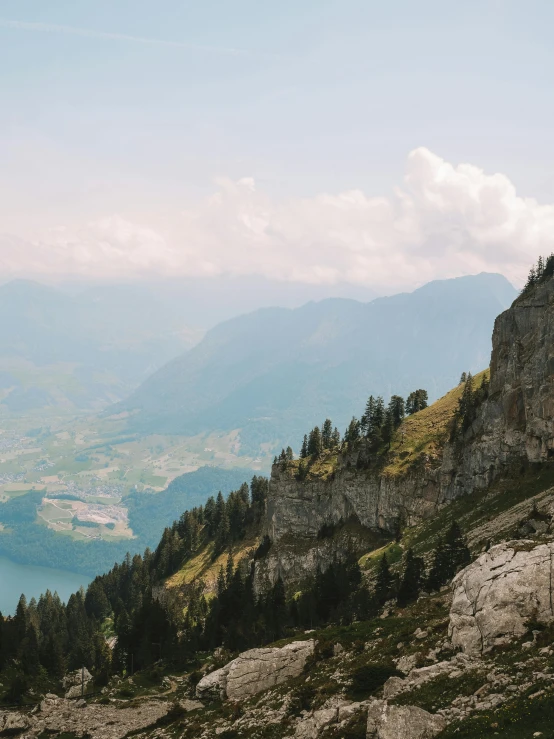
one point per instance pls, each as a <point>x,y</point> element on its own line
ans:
<point>13,723</point>
<point>68,717</point>
<point>401,722</point>
<point>514,426</point>
<point>75,683</point>
<point>498,594</point>
<point>254,671</point>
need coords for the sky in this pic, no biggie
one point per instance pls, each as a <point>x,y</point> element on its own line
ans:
<point>320,142</point>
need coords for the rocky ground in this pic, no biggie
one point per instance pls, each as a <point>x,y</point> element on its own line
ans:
<point>413,673</point>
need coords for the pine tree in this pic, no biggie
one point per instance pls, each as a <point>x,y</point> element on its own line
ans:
<point>397,410</point>
<point>388,427</point>
<point>458,551</point>
<point>335,438</point>
<point>302,470</point>
<point>222,535</point>
<point>411,579</point>
<point>383,584</point>
<point>314,442</point>
<point>229,569</point>
<point>416,401</point>
<point>376,422</point>
<point>326,433</point>
<point>451,555</point>
<point>352,433</point>
<point>221,582</point>
<point>304,448</point>
<point>438,574</point>
<point>289,456</point>
<point>367,418</point>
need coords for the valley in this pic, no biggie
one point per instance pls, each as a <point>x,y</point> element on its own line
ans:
<point>69,480</point>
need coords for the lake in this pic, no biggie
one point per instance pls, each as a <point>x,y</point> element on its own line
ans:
<point>32,580</point>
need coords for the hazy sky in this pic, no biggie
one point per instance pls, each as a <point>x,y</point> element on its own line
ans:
<point>322,141</point>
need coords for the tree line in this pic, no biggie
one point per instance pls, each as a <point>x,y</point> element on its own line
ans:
<point>471,398</point>
<point>378,423</point>
<point>543,270</point>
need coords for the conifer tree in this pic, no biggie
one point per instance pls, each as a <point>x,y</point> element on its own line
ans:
<point>378,415</point>
<point>388,427</point>
<point>314,442</point>
<point>352,433</point>
<point>458,551</point>
<point>304,448</point>
<point>438,573</point>
<point>383,584</point>
<point>451,555</point>
<point>416,401</point>
<point>367,418</point>
<point>397,410</point>
<point>229,570</point>
<point>326,433</point>
<point>302,470</point>
<point>410,584</point>
<point>222,535</point>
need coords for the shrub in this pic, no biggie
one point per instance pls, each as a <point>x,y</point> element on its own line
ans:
<point>367,680</point>
<point>302,698</point>
<point>263,548</point>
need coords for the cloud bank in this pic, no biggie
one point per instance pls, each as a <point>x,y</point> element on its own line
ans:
<point>442,221</point>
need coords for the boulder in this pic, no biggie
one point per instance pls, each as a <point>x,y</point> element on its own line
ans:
<point>212,685</point>
<point>496,595</point>
<point>312,726</point>
<point>255,670</point>
<point>401,722</point>
<point>13,723</point>
<point>190,705</point>
<point>71,718</point>
<point>75,681</point>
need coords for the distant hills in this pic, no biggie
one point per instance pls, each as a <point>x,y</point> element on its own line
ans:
<point>83,351</point>
<point>276,371</point>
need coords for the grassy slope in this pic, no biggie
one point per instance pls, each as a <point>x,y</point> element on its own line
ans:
<point>421,436</point>
<point>426,432</point>
<point>204,567</point>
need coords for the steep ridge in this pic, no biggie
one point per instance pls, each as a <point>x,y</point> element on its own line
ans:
<point>358,496</point>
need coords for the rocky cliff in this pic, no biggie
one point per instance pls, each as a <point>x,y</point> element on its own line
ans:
<point>513,427</point>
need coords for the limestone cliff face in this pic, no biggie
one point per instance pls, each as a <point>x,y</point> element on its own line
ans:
<point>517,421</point>
<point>515,425</point>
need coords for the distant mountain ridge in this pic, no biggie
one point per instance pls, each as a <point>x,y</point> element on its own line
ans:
<point>82,351</point>
<point>275,370</point>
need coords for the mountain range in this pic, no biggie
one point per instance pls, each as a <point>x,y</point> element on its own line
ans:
<point>82,351</point>
<point>274,372</point>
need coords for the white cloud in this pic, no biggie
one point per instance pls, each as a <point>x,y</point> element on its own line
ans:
<point>443,221</point>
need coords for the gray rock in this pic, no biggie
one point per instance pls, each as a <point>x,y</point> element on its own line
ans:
<point>212,685</point>
<point>311,726</point>
<point>190,705</point>
<point>96,721</point>
<point>76,682</point>
<point>393,687</point>
<point>402,722</point>
<point>497,594</point>
<point>14,722</point>
<point>256,670</point>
